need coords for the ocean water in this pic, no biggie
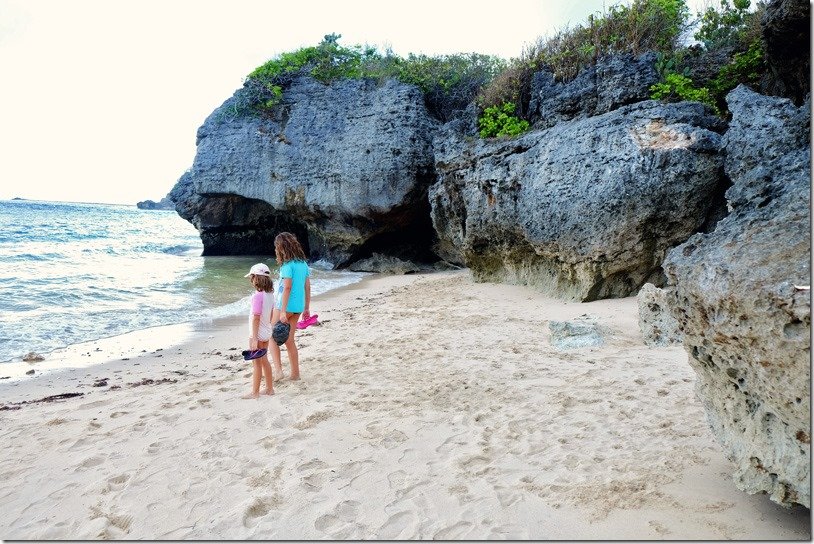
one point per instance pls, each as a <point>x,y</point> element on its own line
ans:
<point>75,272</point>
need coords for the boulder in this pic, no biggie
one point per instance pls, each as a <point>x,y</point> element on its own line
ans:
<point>615,81</point>
<point>579,333</point>
<point>385,264</point>
<point>344,166</point>
<point>657,324</point>
<point>740,296</point>
<point>584,210</point>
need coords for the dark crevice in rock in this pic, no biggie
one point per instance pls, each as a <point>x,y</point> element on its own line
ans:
<point>717,208</point>
<point>234,225</point>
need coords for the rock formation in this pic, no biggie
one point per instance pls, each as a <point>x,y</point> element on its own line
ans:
<point>344,166</point>
<point>740,296</point>
<point>586,209</point>
<point>163,204</point>
<point>579,333</point>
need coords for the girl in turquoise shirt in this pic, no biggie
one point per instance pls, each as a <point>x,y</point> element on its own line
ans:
<point>293,297</point>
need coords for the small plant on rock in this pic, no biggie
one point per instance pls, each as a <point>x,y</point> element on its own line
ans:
<point>501,121</point>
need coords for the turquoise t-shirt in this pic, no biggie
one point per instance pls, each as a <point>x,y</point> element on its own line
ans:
<point>297,271</point>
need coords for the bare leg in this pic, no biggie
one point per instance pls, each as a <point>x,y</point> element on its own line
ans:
<point>291,347</point>
<point>256,375</point>
<point>275,349</point>
<point>266,367</point>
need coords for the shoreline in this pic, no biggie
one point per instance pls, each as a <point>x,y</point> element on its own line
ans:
<point>100,351</point>
<point>419,416</point>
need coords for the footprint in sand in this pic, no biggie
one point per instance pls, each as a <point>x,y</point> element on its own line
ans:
<point>348,510</point>
<point>115,415</point>
<point>397,479</point>
<point>341,524</point>
<point>117,482</point>
<point>121,522</point>
<point>507,497</point>
<point>659,528</point>
<point>139,426</point>
<point>309,465</point>
<point>267,442</point>
<point>257,509</point>
<point>90,462</point>
<point>451,443</point>
<point>372,430</point>
<point>313,419</point>
<point>77,444</point>
<point>326,523</point>
<point>154,448</point>
<point>95,404</point>
<point>399,526</point>
<point>313,482</point>
<point>507,532</point>
<point>170,418</point>
<point>453,532</point>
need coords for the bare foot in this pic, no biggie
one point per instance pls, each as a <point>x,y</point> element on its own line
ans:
<point>269,392</point>
<point>277,375</point>
<point>251,396</point>
<point>295,378</point>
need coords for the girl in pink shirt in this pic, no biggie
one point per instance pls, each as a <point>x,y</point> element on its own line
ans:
<point>262,304</point>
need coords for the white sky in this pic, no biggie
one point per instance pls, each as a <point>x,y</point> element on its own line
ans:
<point>100,100</point>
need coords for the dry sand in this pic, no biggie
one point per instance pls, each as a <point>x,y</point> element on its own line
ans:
<point>431,407</point>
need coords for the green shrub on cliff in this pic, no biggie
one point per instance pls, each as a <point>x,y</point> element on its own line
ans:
<point>746,67</point>
<point>449,82</point>
<point>501,121</point>
<point>733,30</point>
<point>644,25</point>
<point>730,25</point>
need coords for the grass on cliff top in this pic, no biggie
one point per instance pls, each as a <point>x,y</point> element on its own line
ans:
<point>661,26</point>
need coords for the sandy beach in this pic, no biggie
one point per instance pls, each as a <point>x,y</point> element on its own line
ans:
<point>431,407</point>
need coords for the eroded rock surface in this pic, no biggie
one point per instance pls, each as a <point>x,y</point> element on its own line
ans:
<point>614,81</point>
<point>657,324</point>
<point>584,210</point>
<point>740,300</point>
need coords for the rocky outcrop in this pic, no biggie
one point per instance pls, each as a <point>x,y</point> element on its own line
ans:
<point>787,38</point>
<point>344,166</point>
<point>656,323</point>
<point>614,81</point>
<point>584,210</point>
<point>384,264</point>
<point>163,204</point>
<point>740,297</point>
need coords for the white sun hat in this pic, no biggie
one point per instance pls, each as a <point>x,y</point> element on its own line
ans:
<point>259,270</point>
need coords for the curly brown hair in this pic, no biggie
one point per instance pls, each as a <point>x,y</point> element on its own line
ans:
<point>262,283</point>
<point>288,248</point>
